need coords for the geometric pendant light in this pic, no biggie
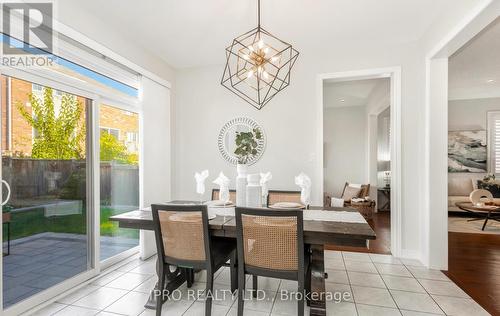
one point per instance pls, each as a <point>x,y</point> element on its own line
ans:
<point>258,65</point>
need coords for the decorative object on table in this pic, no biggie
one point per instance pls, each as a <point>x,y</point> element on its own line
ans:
<point>365,206</point>
<point>491,184</point>
<point>264,179</point>
<point>241,140</point>
<point>223,183</point>
<point>254,191</point>
<point>480,197</point>
<point>304,182</point>
<point>200,182</point>
<point>241,184</point>
<point>467,151</point>
<point>258,65</point>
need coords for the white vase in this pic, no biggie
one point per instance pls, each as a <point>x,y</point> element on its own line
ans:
<point>241,184</point>
<point>254,191</point>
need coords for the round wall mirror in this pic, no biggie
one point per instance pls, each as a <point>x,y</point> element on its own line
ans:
<point>227,139</point>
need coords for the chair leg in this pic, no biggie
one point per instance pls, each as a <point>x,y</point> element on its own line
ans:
<point>308,283</point>
<point>189,277</point>
<point>234,272</point>
<point>161,286</point>
<point>241,289</point>
<point>254,284</point>
<point>209,292</point>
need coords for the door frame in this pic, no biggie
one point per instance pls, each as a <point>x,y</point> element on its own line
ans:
<point>394,74</point>
<point>435,215</point>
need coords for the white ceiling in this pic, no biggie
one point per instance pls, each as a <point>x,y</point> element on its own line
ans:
<point>474,65</point>
<point>192,33</point>
<point>350,93</point>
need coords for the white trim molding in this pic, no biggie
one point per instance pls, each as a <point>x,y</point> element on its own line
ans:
<point>394,74</point>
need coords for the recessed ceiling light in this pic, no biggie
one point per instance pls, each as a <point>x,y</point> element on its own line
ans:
<point>342,100</point>
<point>490,80</point>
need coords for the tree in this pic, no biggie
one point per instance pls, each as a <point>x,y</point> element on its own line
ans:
<point>113,150</point>
<point>59,136</point>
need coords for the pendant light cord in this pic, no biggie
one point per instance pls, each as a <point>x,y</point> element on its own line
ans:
<point>258,13</point>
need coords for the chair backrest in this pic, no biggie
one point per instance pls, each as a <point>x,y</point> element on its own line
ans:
<point>275,196</point>
<point>365,190</point>
<point>270,239</point>
<point>182,235</point>
<point>232,195</point>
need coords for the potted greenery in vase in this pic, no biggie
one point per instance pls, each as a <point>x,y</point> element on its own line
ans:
<point>246,148</point>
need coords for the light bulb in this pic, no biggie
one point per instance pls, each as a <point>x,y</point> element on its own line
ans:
<point>250,48</point>
<point>245,56</point>
<point>265,75</point>
<point>275,58</point>
<point>259,69</point>
<point>261,44</point>
<point>250,74</point>
<point>266,50</point>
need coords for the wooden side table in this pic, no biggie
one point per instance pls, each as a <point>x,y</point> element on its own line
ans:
<point>366,208</point>
<point>6,217</point>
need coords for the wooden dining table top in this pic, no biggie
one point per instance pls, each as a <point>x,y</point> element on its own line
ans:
<point>315,231</point>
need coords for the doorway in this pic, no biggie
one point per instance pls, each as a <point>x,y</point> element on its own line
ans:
<point>360,146</point>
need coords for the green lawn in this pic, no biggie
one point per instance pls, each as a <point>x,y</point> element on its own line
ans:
<point>32,222</point>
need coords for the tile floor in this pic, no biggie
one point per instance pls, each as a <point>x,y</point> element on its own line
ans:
<point>40,261</point>
<point>362,284</point>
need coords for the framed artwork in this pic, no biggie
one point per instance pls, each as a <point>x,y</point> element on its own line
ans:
<point>467,151</point>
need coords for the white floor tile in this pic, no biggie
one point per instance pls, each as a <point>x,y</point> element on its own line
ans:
<point>286,307</point>
<point>105,279</point>
<point>419,302</point>
<point>198,308</point>
<point>170,308</point>
<point>331,254</point>
<point>366,279</point>
<point>342,292</point>
<point>370,310</point>
<point>76,311</point>
<point>107,314</point>
<point>263,303</point>
<point>221,295</point>
<point>148,267</point>
<point>131,304</point>
<point>392,269</point>
<point>147,286</point>
<point>49,310</point>
<point>356,256</point>
<point>411,262</point>
<point>373,296</point>
<point>337,276</point>
<point>101,298</point>
<point>224,277</point>
<point>360,266</point>
<point>289,285</point>
<point>377,258</point>
<point>334,264</point>
<point>246,312</point>
<point>264,283</point>
<point>424,273</point>
<point>402,283</point>
<point>413,313</point>
<point>128,281</point>
<point>78,294</point>
<point>459,306</point>
<point>130,265</point>
<point>340,309</point>
<point>443,288</point>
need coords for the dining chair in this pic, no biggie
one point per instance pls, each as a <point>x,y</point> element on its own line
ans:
<point>183,240</point>
<point>232,195</point>
<point>271,244</point>
<point>277,196</point>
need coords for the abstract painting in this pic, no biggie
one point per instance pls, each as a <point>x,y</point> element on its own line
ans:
<point>467,151</point>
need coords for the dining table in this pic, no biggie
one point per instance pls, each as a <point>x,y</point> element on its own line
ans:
<point>322,226</point>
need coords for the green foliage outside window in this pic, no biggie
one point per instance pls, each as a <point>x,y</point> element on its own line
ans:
<point>59,136</point>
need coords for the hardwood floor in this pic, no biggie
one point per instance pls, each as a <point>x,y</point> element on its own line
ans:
<point>381,224</point>
<point>474,265</point>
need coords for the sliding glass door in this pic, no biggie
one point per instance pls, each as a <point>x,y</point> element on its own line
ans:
<point>119,177</point>
<point>47,185</point>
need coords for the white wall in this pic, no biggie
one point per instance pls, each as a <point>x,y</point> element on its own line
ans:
<point>470,114</point>
<point>344,139</point>
<point>292,121</point>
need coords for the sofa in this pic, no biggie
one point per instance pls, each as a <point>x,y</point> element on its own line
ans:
<point>460,186</point>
